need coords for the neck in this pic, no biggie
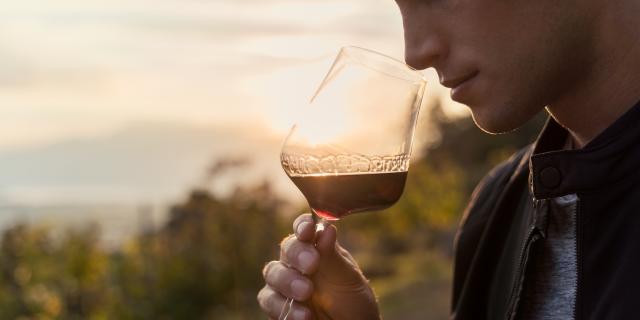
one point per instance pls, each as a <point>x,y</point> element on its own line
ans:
<point>611,85</point>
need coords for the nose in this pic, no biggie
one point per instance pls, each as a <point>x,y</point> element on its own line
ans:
<point>423,52</point>
<point>423,45</point>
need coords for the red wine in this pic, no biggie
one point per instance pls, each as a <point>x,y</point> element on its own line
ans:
<point>335,196</point>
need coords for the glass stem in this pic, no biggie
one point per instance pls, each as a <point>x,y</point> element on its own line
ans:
<point>319,222</point>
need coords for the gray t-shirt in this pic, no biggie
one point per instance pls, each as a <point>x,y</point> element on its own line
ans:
<point>550,287</point>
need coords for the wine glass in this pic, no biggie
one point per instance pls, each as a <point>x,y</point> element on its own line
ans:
<point>350,150</point>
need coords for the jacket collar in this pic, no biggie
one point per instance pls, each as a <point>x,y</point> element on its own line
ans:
<point>609,158</point>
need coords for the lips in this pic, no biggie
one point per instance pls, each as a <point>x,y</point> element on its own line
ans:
<point>452,83</point>
<point>462,87</point>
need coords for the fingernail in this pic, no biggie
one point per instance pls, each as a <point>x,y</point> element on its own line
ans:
<point>299,315</point>
<point>299,288</point>
<point>301,227</point>
<point>305,259</point>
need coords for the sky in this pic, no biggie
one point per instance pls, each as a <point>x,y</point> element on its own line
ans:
<point>92,92</point>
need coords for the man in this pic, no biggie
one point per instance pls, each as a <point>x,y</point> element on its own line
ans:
<point>550,233</point>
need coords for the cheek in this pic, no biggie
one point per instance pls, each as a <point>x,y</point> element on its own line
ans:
<point>524,53</point>
<point>541,66</point>
<point>518,61</point>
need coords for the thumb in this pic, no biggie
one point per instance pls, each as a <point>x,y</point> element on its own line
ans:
<point>337,266</point>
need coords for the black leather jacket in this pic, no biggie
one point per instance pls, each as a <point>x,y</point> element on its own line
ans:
<point>507,216</point>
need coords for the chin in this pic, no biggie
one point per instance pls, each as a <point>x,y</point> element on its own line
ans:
<point>497,121</point>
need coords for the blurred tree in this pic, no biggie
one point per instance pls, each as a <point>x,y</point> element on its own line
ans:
<point>45,280</point>
<point>205,262</point>
<point>85,269</point>
<point>24,253</point>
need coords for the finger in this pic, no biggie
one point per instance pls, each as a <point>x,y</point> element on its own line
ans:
<point>288,282</point>
<point>272,304</point>
<point>336,262</point>
<point>300,255</point>
<point>326,242</point>
<point>268,266</point>
<point>304,228</point>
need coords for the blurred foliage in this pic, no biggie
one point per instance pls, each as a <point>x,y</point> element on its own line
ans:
<point>205,262</point>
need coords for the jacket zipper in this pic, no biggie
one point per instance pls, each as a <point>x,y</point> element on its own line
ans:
<point>576,305</point>
<point>532,236</point>
<point>524,257</point>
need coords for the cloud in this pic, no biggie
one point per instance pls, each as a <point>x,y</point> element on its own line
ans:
<point>70,66</point>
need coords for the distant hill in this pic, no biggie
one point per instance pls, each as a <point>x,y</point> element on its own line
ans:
<point>142,162</point>
<point>108,179</point>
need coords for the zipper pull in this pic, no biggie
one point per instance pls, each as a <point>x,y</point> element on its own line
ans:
<point>540,216</point>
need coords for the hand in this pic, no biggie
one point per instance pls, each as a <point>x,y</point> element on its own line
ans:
<point>323,278</point>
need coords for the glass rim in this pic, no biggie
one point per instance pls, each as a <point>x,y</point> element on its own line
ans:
<point>406,72</point>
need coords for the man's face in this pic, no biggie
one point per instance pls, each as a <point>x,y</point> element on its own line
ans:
<point>505,59</point>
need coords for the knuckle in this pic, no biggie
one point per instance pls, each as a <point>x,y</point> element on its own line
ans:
<point>277,276</point>
<point>302,312</point>
<point>268,267</point>
<point>262,297</point>
<point>272,302</point>
<point>301,218</point>
<point>291,247</point>
<point>309,251</point>
<point>298,254</point>
<point>267,299</point>
<point>293,251</point>
<point>287,242</point>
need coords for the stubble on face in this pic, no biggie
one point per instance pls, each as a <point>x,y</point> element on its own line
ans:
<point>528,54</point>
<point>548,56</point>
